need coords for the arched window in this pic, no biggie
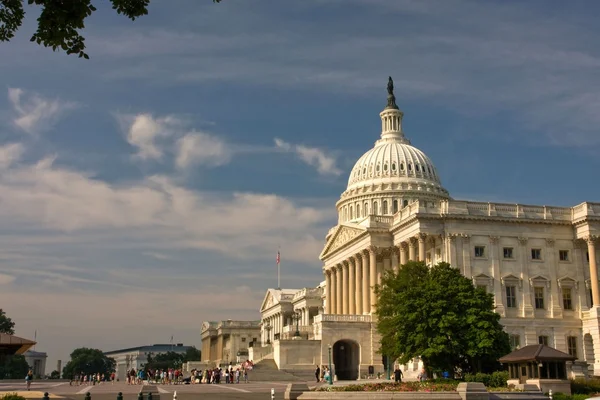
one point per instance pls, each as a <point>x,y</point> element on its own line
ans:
<point>394,166</point>
<point>366,209</point>
<point>375,208</point>
<point>395,206</point>
<point>405,203</point>
<point>417,167</point>
<point>385,208</point>
<point>410,167</point>
<point>402,167</point>
<point>358,211</point>
<point>351,213</point>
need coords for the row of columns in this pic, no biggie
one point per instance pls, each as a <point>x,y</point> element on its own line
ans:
<point>271,326</point>
<point>350,284</point>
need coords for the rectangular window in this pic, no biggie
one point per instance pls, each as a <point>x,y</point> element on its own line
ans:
<point>479,251</point>
<point>536,254</point>
<point>243,339</point>
<point>572,345</point>
<point>515,341</point>
<point>511,297</point>
<point>563,255</point>
<point>543,340</point>
<point>508,252</point>
<point>567,302</point>
<point>539,297</point>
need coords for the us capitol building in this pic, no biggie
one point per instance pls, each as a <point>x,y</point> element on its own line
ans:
<point>539,262</point>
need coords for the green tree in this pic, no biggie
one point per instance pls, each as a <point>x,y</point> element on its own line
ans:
<point>13,367</point>
<point>166,360</point>
<point>88,361</point>
<point>437,314</point>
<point>6,324</point>
<point>59,22</point>
<point>55,375</point>
<point>192,354</point>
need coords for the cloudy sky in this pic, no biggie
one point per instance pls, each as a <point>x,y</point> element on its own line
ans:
<point>149,188</point>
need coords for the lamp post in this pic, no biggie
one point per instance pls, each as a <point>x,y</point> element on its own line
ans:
<point>296,317</point>
<point>330,370</point>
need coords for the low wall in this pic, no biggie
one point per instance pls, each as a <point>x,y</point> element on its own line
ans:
<point>255,354</point>
<point>297,354</point>
<point>465,391</point>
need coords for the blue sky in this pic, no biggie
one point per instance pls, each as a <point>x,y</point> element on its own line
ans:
<point>148,189</point>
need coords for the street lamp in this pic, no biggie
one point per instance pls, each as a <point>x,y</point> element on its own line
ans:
<point>330,370</point>
<point>296,317</point>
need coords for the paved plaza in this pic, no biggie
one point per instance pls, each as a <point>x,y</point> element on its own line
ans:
<point>107,391</point>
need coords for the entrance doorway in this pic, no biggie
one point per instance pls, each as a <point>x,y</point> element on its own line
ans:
<point>346,358</point>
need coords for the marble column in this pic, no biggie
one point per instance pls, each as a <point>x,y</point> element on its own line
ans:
<point>339,292</point>
<point>351,286</point>
<point>591,243</point>
<point>421,239</point>
<point>372,276</point>
<point>345,268</point>
<point>494,258</point>
<point>366,300</point>
<point>527,309</point>
<point>328,291</point>
<point>395,252</point>
<point>412,249</point>
<point>403,253</point>
<point>358,283</point>
<point>333,302</point>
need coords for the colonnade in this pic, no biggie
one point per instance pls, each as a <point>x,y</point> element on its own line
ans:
<point>272,325</point>
<point>350,284</point>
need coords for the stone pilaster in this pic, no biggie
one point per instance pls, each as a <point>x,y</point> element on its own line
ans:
<point>328,291</point>
<point>366,299</point>
<point>526,300</point>
<point>422,244</point>
<point>498,298</point>
<point>403,253</point>
<point>351,286</point>
<point>394,253</point>
<point>372,276</point>
<point>358,283</point>
<point>339,290</point>
<point>552,267</point>
<point>334,277</point>
<point>466,255</point>
<point>591,243</point>
<point>345,268</point>
<point>412,249</point>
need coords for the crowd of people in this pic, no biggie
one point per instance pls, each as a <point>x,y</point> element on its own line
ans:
<point>91,379</point>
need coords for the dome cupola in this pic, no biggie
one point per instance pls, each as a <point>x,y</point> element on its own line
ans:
<point>390,175</point>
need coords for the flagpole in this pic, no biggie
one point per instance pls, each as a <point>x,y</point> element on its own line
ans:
<point>278,268</point>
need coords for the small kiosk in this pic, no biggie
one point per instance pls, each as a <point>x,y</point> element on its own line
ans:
<point>539,365</point>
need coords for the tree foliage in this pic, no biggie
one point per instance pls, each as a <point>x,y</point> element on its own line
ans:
<point>13,367</point>
<point>59,22</point>
<point>55,375</point>
<point>171,359</point>
<point>88,361</point>
<point>437,314</point>
<point>6,324</point>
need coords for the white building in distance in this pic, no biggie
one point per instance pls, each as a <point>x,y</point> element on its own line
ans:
<point>136,357</point>
<point>539,262</point>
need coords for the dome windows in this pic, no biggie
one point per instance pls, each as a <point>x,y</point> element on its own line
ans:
<point>410,167</point>
<point>394,166</point>
<point>375,208</point>
<point>417,167</point>
<point>385,207</point>
<point>401,166</point>
<point>385,167</point>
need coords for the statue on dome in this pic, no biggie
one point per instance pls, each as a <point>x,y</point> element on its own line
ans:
<point>391,98</point>
<point>390,86</point>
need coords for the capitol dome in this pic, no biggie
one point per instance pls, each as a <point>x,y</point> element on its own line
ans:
<point>390,175</point>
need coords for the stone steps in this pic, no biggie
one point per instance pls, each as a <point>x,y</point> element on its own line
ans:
<point>267,371</point>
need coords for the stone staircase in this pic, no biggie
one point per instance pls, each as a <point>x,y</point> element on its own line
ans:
<point>266,371</point>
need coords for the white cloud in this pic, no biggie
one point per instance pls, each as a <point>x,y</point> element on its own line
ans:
<point>159,210</point>
<point>144,132</point>
<point>6,279</point>
<point>10,153</point>
<point>197,148</point>
<point>35,113</point>
<point>326,164</point>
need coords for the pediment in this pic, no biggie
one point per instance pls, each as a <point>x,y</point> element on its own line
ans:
<point>567,281</point>
<point>269,301</point>
<point>510,277</point>
<point>342,235</point>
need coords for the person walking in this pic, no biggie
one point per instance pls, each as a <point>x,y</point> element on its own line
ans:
<point>318,373</point>
<point>28,379</point>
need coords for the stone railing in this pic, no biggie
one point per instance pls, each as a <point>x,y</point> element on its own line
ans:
<point>308,292</point>
<point>239,324</point>
<point>342,318</point>
<point>301,328</point>
<point>521,211</point>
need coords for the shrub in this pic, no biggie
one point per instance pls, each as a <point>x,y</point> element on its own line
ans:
<point>12,396</point>
<point>499,379</point>
<point>562,396</point>
<point>581,386</point>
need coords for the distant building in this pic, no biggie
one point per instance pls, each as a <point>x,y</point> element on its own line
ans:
<point>136,357</point>
<point>37,362</point>
<point>225,342</point>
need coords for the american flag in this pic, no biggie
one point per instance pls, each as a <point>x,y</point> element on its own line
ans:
<point>278,258</point>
